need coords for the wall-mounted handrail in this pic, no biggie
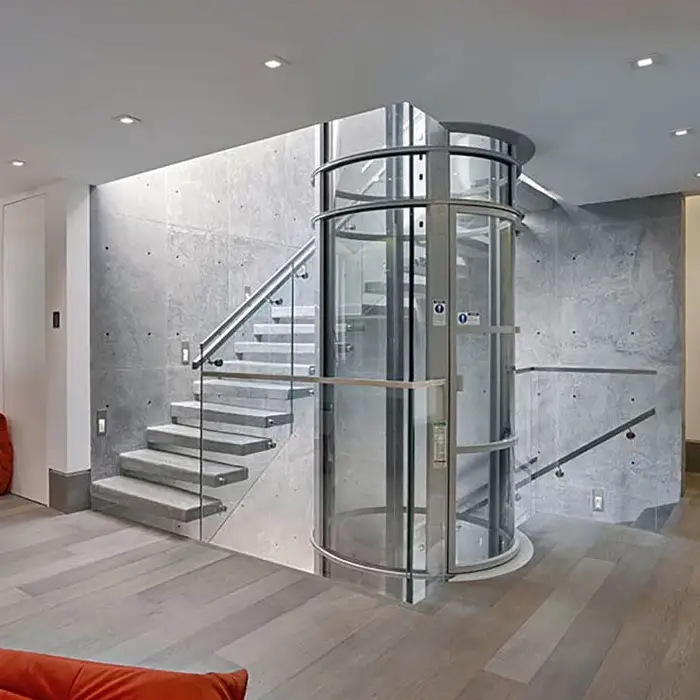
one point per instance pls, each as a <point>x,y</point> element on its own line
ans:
<point>558,463</point>
<point>233,322</point>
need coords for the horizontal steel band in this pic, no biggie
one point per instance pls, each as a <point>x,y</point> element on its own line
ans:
<point>587,370</point>
<point>398,151</point>
<point>338,381</point>
<point>489,330</point>
<point>352,563</point>
<point>477,207</point>
<point>487,446</point>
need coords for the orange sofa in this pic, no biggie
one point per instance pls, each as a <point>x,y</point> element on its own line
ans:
<point>25,676</point>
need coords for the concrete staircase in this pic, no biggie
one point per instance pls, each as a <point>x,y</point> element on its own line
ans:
<point>241,421</point>
<point>239,418</point>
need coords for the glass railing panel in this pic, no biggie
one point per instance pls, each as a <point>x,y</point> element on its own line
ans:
<point>257,434</point>
<point>374,495</point>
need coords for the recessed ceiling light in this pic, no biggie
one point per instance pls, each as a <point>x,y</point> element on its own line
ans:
<point>17,163</point>
<point>276,62</point>
<point>127,119</point>
<point>652,59</point>
<point>680,132</point>
<point>697,174</point>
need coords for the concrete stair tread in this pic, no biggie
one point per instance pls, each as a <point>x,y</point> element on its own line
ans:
<point>232,410</point>
<point>299,312</point>
<point>253,389</point>
<point>166,501</point>
<point>379,287</point>
<point>175,437</point>
<point>260,367</point>
<point>275,348</point>
<point>284,329</point>
<point>233,439</point>
<point>280,329</point>
<point>156,464</point>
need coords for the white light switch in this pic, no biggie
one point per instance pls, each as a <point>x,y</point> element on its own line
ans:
<point>102,422</point>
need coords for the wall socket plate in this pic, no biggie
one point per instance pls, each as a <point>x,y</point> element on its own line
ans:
<point>101,421</point>
<point>598,500</point>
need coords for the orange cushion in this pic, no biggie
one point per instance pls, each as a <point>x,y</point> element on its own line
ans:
<point>25,676</point>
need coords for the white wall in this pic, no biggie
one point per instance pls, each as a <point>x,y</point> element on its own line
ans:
<point>67,356</point>
<point>692,318</point>
<point>24,396</point>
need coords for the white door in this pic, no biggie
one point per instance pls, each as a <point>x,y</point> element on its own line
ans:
<point>24,343</point>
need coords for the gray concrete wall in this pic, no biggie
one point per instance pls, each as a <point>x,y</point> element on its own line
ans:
<point>172,252</point>
<point>601,286</point>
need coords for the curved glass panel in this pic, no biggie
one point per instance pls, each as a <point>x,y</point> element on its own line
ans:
<point>478,141</point>
<point>479,178</point>
<point>377,179</point>
<point>484,336</point>
<point>399,125</point>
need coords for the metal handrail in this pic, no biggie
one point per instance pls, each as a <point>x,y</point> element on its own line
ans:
<point>233,322</point>
<point>333,381</point>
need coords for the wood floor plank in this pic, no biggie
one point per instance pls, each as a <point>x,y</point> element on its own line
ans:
<point>348,661</point>
<point>136,649</point>
<point>479,641</point>
<point>522,656</point>
<point>488,686</point>
<point>632,662</point>
<point>678,674</point>
<point>575,661</point>
<point>209,583</point>
<point>231,627</point>
<point>306,634</point>
<point>91,586</point>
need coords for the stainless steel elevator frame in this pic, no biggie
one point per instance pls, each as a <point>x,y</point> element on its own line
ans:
<point>420,207</point>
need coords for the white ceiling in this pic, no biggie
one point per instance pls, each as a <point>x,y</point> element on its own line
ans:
<point>556,70</point>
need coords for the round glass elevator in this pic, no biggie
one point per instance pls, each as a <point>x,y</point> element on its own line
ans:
<point>415,457</point>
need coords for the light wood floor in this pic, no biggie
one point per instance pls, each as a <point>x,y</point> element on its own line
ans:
<point>603,612</point>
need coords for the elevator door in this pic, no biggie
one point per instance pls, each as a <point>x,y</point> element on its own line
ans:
<point>481,530</point>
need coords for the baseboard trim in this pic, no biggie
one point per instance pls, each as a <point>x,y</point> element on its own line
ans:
<point>69,493</point>
<point>692,456</point>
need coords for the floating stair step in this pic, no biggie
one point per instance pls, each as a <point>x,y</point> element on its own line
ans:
<point>263,348</point>
<point>155,465</point>
<point>301,313</point>
<point>224,413</point>
<point>239,388</point>
<point>155,499</point>
<point>284,330</point>
<point>163,436</point>
<point>250,367</point>
<point>380,287</point>
<point>274,329</point>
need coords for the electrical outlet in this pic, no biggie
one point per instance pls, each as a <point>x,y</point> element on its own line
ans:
<point>598,501</point>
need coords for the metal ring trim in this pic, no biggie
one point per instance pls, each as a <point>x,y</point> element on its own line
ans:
<point>397,151</point>
<point>368,568</point>
<point>476,207</point>
<point>492,563</point>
